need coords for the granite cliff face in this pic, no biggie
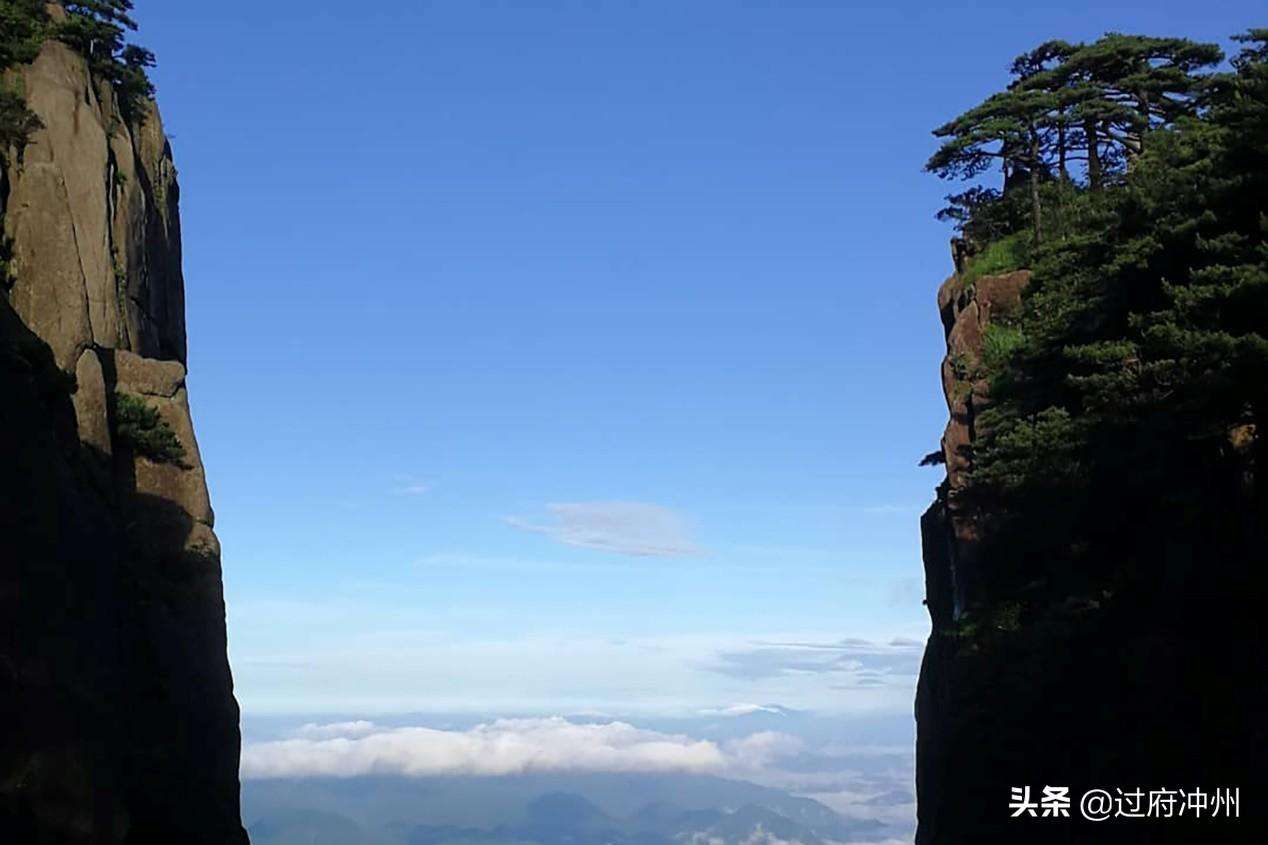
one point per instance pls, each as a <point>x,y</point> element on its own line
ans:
<point>115,690</point>
<point>1155,687</point>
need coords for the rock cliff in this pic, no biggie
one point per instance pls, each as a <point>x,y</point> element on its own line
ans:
<point>120,723</point>
<point>1152,688</point>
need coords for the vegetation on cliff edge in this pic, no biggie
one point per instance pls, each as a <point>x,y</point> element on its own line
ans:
<point>1129,397</point>
<point>97,29</point>
<point>140,426</point>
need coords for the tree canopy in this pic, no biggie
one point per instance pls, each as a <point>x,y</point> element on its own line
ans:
<point>97,29</point>
<point>1128,408</point>
<point>1069,103</point>
<point>21,32</point>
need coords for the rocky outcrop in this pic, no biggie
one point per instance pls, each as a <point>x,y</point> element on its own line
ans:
<point>92,209</point>
<point>115,690</point>
<point>950,543</point>
<point>966,311</point>
<point>1151,685</point>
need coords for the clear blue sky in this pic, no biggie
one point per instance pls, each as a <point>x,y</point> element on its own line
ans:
<point>667,267</point>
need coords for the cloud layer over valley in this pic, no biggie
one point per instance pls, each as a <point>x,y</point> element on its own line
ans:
<point>502,747</point>
<point>794,752</point>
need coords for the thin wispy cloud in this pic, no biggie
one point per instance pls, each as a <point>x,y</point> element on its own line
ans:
<point>861,663</point>
<point>746,710</point>
<point>637,529</point>
<point>464,562</point>
<point>414,488</point>
<point>336,730</point>
<point>402,666</point>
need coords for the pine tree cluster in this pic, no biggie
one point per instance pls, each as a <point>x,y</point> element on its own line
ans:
<point>97,29</point>
<point>1128,405</point>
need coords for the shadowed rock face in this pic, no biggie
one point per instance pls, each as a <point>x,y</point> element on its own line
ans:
<point>120,724</point>
<point>1162,690</point>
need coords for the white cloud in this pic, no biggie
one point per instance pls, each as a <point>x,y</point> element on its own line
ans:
<point>746,710</point>
<point>336,730</point>
<point>514,746</point>
<point>859,663</point>
<point>896,806</point>
<point>759,836</point>
<point>506,563</point>
<point>416,488</point>
<point>761,750</point>
<point>503,747</point>
<point>320,667</point>
<point>856,781</point>
<point>639,529</point>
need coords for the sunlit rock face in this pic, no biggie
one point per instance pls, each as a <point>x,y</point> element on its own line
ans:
<point>115,691</point>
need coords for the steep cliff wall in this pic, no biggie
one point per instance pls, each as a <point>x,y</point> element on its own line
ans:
<point>1152,686</point>
<point>115,693</point>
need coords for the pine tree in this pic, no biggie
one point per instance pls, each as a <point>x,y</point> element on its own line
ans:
<point>1125,85</point>
<point>1006,129</point>
<point>1136,388</point>
<point>1035,70</point>
<point>98,30</point>
<point>22,25</point>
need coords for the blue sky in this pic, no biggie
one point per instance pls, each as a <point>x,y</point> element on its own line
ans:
<point>552,356</point>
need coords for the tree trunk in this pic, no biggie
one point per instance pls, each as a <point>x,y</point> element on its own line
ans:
<point>1143,100</point>
<point>1133,145</point>
<point>1035,164</point>
<point>1061,153</point>
<point>1093,154</point>
<point>1136,134</point>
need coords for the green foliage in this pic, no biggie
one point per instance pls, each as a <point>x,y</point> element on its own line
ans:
<point>1254,52</point>
<point>999,129</point>
<point>1117,88</point>
<point>1031,451</point>
<point>97,29</point>
<point>1009,253</point>
<point>22,29</point>
<point>1007,127</point>
<point>141,427</point>
<point>17,122</point>
<point>999,343</point>
<point>1129,396</point>
<point>6,259</point>
<point>986,625</point>
<point>1006,617</point>
<point>961,366</point>
<point>1093,104</point>
<point>22,24</point>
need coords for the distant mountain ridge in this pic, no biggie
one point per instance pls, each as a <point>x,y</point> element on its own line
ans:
<point>602,809</point>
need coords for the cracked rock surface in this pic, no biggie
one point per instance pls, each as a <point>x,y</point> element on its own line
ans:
<point>121,725</point>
